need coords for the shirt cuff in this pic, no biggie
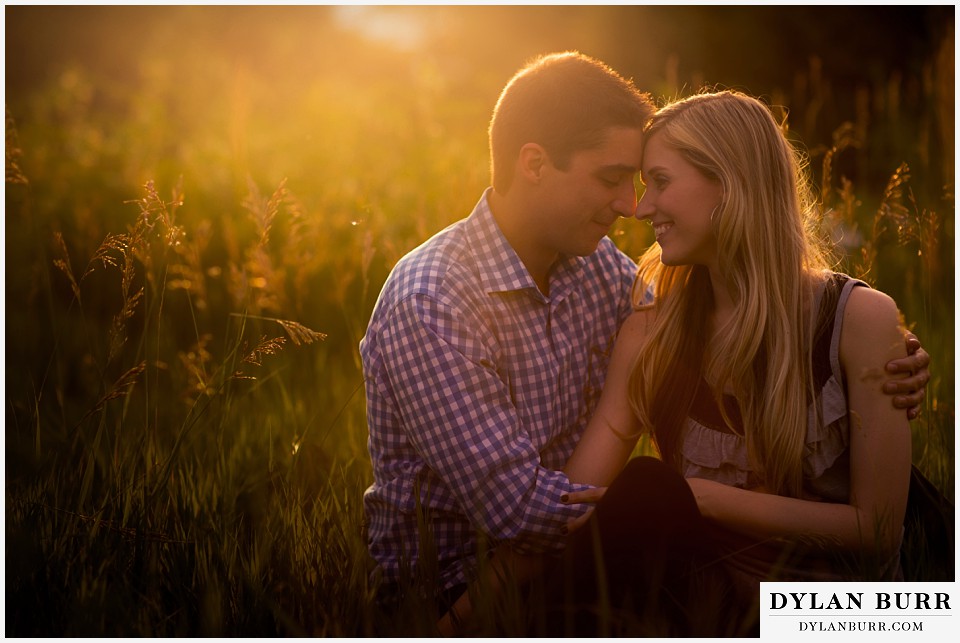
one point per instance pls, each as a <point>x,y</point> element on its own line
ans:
<point>551,538</point>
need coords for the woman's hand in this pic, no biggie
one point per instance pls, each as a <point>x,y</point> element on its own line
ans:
<point>591,496</point>
<point>909,392</point>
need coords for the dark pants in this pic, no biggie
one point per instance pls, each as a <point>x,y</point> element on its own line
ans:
<point>643,565</point>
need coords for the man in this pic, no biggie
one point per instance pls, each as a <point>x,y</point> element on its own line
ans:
<point>487,349</point>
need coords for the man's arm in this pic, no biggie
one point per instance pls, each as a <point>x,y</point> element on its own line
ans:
<point>459,415</point>
<point>601,453</point>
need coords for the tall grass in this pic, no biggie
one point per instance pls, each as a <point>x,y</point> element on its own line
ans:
<point>185,423</point>
<point>176,473</point>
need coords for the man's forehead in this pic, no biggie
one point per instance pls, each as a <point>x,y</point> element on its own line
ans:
<point>619,149</point>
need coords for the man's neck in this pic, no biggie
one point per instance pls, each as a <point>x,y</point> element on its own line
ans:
<point>513,219</point>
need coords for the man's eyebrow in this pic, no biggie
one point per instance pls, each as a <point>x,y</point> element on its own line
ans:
<point>619,167</point>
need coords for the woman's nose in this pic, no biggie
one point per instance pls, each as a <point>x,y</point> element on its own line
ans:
<point>644,209</point>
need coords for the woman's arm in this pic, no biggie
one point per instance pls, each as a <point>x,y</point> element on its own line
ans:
<point>879,450</point>
<point>880,456</point>
<point>613,430</point>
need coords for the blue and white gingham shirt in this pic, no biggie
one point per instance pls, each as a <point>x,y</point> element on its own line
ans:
<point>478,388</point>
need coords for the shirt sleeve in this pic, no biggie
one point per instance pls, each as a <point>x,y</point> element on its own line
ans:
<point>458,415</point>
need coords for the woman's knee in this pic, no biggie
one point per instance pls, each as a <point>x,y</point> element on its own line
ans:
<point>648,491</point>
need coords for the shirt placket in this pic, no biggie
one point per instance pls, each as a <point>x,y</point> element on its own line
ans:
<point>558,329</point>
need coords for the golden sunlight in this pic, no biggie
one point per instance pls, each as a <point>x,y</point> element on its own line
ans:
<point>396,26</point>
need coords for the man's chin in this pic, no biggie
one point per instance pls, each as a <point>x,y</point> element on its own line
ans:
<point>586,250</point>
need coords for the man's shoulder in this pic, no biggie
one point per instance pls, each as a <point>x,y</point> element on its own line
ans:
<point>610,265</point>
<point>609,254</point>
<point>431,266</point>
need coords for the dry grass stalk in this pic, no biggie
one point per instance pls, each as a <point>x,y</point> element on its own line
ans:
<point>928,224</point>
<point>893,208</point>
<point>14,175</point>
<point>195,361</point>
<point>868,251</point>
<point>255,357</point>
<point>300,257</point>
<point>187,272</point>
<point>131,298</point>
<point>264,282</point>
<point>63,263</point>
<point>156,224</point>
<point>300,334</point>
<point>154,210</point>
<point>123,248</point>
<point>894,212</point>
<point>843,138</point>
<point>120,388</point>
<point>264,211</point>
<point>259,280</point>
<point>111,243</point>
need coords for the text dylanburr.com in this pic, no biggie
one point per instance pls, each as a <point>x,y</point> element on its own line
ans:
<point>841,611</point>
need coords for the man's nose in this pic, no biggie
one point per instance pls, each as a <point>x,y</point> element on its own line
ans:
<point>626,202</point>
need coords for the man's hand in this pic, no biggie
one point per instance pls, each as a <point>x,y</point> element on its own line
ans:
<point>909,392</point>
<point>505,566</point>
<point>451,623</point>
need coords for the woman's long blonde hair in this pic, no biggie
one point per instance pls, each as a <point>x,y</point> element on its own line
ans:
<point>765,238</point>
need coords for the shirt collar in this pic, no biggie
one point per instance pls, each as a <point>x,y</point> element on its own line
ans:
<point>499,267</point>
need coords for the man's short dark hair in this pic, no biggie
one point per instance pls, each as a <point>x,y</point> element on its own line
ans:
<point>565,102</point>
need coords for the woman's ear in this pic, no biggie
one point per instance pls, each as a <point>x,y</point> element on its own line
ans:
<point>531,162</point>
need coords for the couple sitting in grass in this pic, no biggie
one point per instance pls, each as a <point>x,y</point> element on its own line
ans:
<point>514,359</point>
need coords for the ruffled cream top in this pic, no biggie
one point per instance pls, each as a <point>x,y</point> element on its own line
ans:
<point>709,450</point>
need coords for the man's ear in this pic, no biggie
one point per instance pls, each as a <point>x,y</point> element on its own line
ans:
<point>531,162</point>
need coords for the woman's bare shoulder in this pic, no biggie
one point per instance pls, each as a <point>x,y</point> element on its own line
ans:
<point>872,325</point>
<point>868,308</point>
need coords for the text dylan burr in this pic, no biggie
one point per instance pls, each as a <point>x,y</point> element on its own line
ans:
<point>855,601</point>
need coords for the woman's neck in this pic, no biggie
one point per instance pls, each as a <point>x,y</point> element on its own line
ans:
<point>722,301</point>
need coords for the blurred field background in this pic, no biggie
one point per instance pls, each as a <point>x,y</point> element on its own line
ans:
<point>201,204</point>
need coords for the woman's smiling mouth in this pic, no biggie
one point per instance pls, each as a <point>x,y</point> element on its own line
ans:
<point>660,228</point>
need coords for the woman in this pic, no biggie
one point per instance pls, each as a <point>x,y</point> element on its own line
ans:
<point>758,373</point>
